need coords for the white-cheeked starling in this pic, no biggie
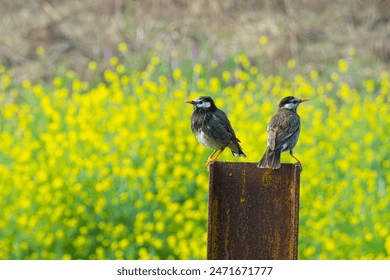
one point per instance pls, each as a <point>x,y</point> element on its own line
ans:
<point>212,128</point>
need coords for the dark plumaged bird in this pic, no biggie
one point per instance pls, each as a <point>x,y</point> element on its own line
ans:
<point>212,128</point>
<point>283,132</point>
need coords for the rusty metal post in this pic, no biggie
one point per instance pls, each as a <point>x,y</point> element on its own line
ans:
<point>253,212</point>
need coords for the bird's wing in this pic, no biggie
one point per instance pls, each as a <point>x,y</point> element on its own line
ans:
<point>223,119</point>
<point>272,131</point>
<point>221,127</point>
<point>281,128</point>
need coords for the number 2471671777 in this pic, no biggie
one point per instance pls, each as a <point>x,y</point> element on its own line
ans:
<point>241,270</point>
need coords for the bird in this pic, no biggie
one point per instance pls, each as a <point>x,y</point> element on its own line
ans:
<point>283,132</point>
<point>212,128</point>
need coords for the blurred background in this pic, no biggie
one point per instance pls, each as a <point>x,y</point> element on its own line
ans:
<point>97,158</point>
<point>74,32</point>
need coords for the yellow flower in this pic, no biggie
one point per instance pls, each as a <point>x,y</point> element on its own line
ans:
<point>40,51</point>
<point>343,65</point>
<point>122,47</point>
<point>159,46</point>
<point>198,69</point>
<point>92,65</point>
<point>263,40</point>
<point>120,69</point>
<point>214,84</point>
<point>291,63</point>
<point>176,74</point>
<point>26,84</point>
<point>114,61</point>
<point>369,85</point>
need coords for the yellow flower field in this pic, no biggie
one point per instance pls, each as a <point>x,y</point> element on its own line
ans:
<point>111,170</point>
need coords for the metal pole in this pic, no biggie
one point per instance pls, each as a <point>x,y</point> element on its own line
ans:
<point>253,212</point>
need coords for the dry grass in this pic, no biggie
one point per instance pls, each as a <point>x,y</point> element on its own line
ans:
<point>75,32</point>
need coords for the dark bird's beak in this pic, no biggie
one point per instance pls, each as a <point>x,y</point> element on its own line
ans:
<point>302,99</point>
<point>189,101</point>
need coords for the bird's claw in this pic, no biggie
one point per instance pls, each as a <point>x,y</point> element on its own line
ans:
<point>209,161</point>
<point>300,166</point>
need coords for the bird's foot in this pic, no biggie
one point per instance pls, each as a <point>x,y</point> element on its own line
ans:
<point>209,161</point>
<point>300,165</point>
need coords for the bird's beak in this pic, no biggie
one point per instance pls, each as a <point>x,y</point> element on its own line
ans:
<point>304,99</point>
<point>188,101</point>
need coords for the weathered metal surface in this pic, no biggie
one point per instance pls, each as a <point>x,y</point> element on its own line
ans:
<point>253,212</point>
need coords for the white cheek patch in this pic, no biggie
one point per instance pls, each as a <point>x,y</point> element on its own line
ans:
<point>204,105</point>
<point>290,106</point>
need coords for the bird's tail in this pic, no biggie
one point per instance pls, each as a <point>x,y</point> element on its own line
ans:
<point>236,149</point>
<point>270,159</point>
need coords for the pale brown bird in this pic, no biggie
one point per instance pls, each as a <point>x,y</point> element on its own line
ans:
<point>283,132</point>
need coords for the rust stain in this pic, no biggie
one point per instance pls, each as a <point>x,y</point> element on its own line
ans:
<point>267,177</point>
<point>227,229</point>
<point>243,176</point>
<point>243,186</point>
<point>214,230</point>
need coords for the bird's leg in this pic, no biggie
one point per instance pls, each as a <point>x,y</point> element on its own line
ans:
<point>215,158</point>
<point>220,152</point>
<point>292,154</point>
<point>211,156</point>
<point>298,162</point>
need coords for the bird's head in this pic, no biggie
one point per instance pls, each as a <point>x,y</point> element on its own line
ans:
<point>291,103</point>
<point>204,103</point>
